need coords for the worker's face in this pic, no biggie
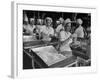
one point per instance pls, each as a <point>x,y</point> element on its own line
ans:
<point>32,22</point>
<point>68,28</point>
<point>48,22</point>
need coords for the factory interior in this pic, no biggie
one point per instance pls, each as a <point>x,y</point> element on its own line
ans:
<point>50,47</point>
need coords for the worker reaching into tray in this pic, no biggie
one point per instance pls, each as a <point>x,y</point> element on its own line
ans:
<point>66,39</point>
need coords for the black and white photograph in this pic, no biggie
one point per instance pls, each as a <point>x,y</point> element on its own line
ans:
<point>56,39</point>
<point>50,40</point>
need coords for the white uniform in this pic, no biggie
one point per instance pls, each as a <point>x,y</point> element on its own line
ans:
<point>79,31</point>
<point>47,31</point>
<point>65,46</point>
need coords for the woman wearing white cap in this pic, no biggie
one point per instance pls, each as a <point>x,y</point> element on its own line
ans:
<point>79,31</point>
<point>66,39</point>
<point>39,27</point>
<point>30,27</point>
<point>32,24</point>
<point>47,31</point>
<point>60,26</point>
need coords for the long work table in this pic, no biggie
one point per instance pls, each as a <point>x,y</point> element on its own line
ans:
<point>41,55</point>
<point>46,56</point>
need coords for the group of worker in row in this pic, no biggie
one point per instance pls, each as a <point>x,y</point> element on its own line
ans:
<point>62,30</point>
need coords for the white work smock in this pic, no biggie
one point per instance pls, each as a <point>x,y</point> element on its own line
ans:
<point>79,32</point>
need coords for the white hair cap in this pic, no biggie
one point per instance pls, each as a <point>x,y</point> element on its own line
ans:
<point>67,21</point>
<point>79,21</point>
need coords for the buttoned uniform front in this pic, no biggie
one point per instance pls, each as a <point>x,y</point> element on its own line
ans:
<point>30,27</point>
<point>46,32</point>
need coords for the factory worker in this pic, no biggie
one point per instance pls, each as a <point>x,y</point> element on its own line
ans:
<point>32,23</point>
<point>79,31</point>
<point>29,28</point>
<point>39,27</point>
<point>66,40</point>
<point>25,24</point>
<point>60,26</point>
<point>61,20</point>
<point>68,22</point>
<point>47,30</point>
